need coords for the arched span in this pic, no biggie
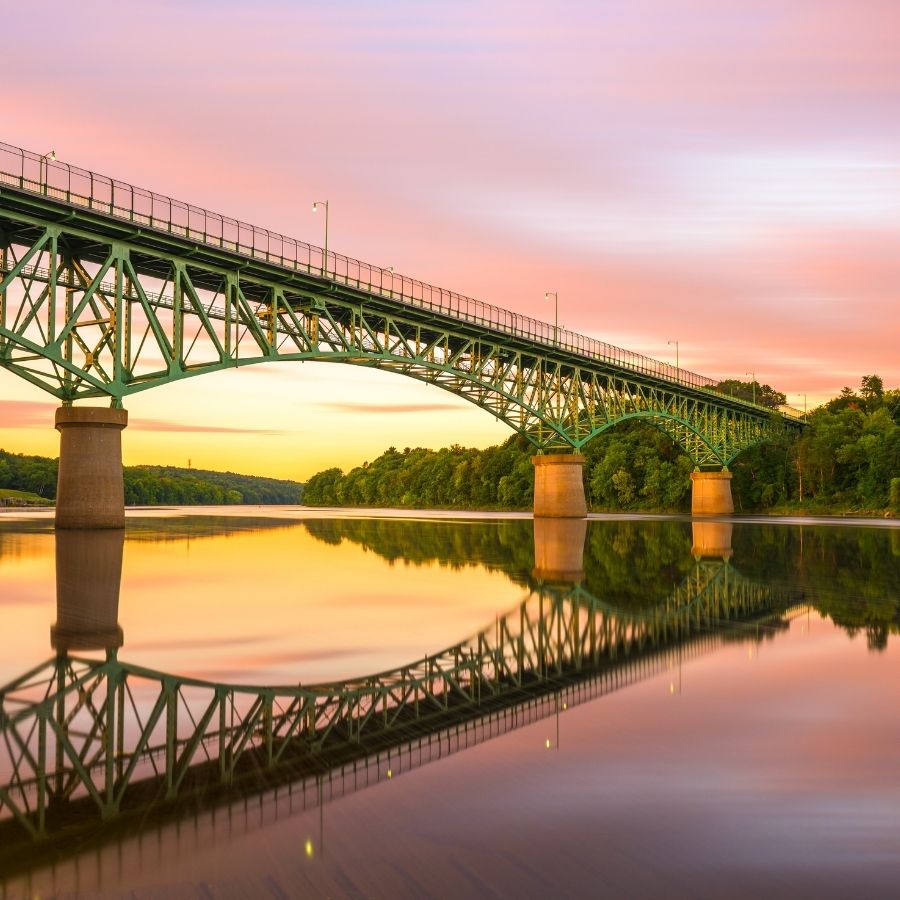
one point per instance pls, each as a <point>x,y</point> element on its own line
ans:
<point>95,307</point>
<point>691,438</point>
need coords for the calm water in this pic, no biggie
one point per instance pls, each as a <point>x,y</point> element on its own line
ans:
<point>702,711</point>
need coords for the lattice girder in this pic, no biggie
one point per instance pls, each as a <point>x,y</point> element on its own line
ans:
<point>86,316</point>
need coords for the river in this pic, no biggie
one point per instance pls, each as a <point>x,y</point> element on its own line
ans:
<point>630,706</point>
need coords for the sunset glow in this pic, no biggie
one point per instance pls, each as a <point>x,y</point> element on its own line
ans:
<point>726,175</point>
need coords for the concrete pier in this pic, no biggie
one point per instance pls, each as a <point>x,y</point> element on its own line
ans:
<point>711,493</point>
<point>559,486</point>
<point>90,491</point>
<point>711,539</point>
<point>88,577</point>
<point>559,550</point>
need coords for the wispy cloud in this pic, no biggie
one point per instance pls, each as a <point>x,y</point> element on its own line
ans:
<point>34,414</point>
<point>389,408</point>
<point>26,414</point>
<point>171,426</point>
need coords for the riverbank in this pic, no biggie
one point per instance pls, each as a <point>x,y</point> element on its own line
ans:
<point>297,512</point>
<point>22,500</point>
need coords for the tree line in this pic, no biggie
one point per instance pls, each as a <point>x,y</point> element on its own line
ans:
<point>847,459</point>
<point>156,485</point>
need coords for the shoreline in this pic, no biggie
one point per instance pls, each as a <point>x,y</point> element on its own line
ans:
<point>295,511</point>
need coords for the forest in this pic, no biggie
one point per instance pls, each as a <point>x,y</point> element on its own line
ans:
<point>155,485</point>
<point>847,461</point>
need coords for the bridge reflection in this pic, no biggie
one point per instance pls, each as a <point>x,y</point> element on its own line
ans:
<point>97,740</point>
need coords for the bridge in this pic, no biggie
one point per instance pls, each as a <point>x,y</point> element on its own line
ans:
<point>87,742</point>
<point>107,289</point>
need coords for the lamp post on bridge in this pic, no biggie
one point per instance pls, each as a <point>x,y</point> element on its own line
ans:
<point>44,166</point>
<point>752,383</point>
<point>316,205</point>
<point>555,296</point>
<point>677,365</point>
<point>804,404</point>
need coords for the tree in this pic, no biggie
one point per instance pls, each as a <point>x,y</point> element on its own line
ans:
<point>872,391</point>
<point>752,392</point>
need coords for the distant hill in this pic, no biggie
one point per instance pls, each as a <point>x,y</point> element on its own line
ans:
<point>154,485</point>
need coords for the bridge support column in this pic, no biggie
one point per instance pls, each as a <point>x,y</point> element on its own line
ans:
<point>711,493</point>
<point>88,577</point>
<point>559,486</point>
<point>90,491</point>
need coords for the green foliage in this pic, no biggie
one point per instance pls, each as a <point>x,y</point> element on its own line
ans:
<point>846,460</point>
<point>154,485</point>
<point>634,466</point>
<point>454,477</point>
<point>10,497</point>
<point>752,391</point>
<point>31,474</point>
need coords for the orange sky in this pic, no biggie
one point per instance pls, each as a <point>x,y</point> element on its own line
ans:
<point>721,174</point>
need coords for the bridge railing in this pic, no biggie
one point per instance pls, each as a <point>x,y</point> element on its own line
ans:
<point>39,174</point>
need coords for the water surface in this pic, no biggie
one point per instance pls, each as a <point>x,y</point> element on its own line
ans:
<point>746,742</point>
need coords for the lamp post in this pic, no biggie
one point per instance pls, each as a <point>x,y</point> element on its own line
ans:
<point>677,366</point>
<point>43,166</point>
<point>752,383</point>
<point>555,296</point>
<point>316,205</point>
<point>804,404</point>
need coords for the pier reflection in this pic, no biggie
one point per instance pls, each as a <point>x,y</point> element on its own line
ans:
<point>88,580</point>
<point>95,743</point>
<point>559,550</point>
<point>711,539</point>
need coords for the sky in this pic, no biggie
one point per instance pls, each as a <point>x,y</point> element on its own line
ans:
<point>719,173</point>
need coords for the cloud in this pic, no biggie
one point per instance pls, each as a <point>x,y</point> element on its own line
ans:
<point>34,414</point>
<point>26,414</point>
<point>389,408</point>
<point>169,426</point>
<point>199,643</point>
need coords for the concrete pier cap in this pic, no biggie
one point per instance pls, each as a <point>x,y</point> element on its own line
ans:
<point>711,493</point>
<point>559,486</point>
<point>90,491</point>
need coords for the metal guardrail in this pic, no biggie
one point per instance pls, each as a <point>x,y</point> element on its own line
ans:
<point>38,174</point>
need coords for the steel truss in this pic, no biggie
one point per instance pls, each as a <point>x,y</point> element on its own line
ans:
<point>105,736</point>
<point>94,306</point>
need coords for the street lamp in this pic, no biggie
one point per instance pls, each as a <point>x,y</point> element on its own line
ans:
<point>316,205</point>
<point>555,296</point>
<point>677,366</point>
<point>804,404</point>
<point>43,166</point>
<point>752,383</point>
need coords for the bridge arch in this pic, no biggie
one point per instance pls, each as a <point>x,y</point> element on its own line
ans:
<point>682,433</point>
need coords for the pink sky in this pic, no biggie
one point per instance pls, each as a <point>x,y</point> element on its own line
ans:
<point>724,174</point>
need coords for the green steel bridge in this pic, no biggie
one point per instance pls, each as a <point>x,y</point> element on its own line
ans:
<point>88,741</point>
<point>107,289</point>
